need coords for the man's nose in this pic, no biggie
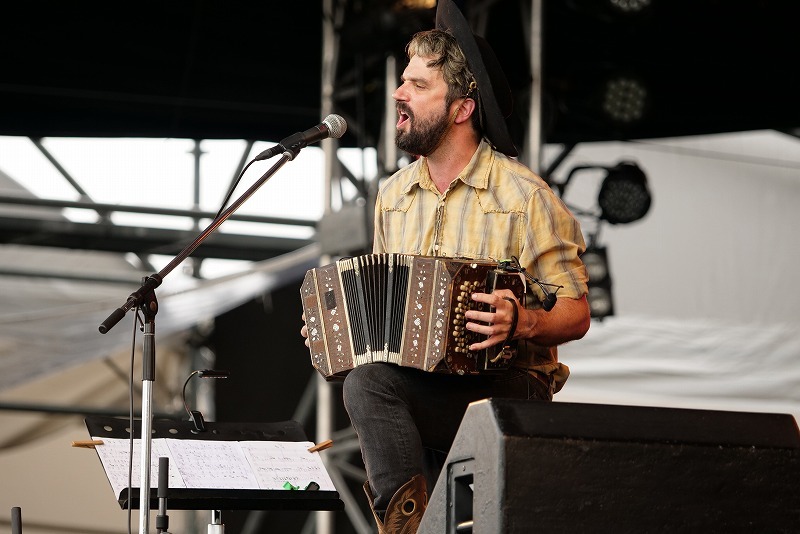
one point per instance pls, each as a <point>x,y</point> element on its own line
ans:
<point>400,93</point>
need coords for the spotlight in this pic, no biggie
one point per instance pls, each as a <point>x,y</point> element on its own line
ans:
<point>630,6</point>
<point>601,302</point>
<point>416,4</point>
<point>624,196</point>
<point>613,11</point>
<point>625,99</point>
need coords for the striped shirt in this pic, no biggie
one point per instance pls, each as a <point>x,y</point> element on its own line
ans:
<point>495,209</point>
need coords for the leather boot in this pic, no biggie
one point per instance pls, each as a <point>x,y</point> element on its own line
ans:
<point>404,513</point>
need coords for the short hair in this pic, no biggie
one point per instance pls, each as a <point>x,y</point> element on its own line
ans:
<point>450,59</point>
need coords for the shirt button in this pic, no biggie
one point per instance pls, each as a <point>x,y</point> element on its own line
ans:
<point>435,247</point>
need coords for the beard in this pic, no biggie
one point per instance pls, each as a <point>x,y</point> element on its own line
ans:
<point>422,138</point>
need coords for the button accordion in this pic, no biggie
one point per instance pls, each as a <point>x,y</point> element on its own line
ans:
<point>402,309</point>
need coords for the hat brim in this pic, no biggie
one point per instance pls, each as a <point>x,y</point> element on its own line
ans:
<point>488,74</point>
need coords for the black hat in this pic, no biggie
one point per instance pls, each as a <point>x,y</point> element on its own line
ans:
<point>494,94</point>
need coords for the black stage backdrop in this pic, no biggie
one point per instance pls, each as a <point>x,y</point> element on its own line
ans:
<point>260,344</point>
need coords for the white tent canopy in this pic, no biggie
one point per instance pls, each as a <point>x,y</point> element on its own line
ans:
<point>706,315</point>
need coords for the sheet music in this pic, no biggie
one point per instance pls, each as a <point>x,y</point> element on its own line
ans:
<point>212,464</point>
<point>278,462</point>
<point>208,464</point>
<point>114,457</point>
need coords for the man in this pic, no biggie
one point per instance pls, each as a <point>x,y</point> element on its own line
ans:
<point>464,197</point>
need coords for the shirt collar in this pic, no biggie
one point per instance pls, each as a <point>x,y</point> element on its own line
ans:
<point>475,174</point>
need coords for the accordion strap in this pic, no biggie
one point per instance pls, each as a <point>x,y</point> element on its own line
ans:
<point>508,349</point>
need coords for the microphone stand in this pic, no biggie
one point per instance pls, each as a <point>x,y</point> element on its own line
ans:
<point>144,298</point>
<point>162,519</point>
<point>16,520</point>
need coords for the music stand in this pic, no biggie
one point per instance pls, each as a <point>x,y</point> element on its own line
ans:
<point>219,498</point>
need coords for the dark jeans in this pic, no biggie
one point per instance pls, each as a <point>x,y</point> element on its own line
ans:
<point>399,412</point>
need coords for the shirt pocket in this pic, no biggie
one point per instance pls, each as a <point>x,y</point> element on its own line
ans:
<point>401,230</point>
<point>494,235</point>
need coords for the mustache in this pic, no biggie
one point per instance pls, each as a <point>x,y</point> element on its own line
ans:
<point>403,108</point>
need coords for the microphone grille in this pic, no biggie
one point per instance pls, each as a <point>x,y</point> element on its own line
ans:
<point>337,126</point>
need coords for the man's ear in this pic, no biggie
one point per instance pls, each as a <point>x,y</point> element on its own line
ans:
<point>464,111</point>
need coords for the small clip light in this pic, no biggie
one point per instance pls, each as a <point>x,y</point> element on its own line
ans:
<point>194,415</point>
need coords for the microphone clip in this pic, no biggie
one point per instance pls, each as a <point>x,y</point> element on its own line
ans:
<point>550,298</point>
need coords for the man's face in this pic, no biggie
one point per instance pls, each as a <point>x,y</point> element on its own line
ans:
<point>423,118</point>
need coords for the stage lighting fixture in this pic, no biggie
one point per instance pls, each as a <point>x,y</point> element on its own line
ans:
<point>624,196</point>
<point>612,11</point>
<point>601,302</point>
<point>416,4</point>
<point>625,99</point>
<point>630,6</point>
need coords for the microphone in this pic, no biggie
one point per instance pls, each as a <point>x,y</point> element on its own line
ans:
<point>333,126</point>
<point>550,299</point>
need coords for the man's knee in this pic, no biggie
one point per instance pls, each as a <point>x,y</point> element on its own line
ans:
<point>367,380</point>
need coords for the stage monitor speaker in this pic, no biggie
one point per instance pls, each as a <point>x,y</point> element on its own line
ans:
<point>533,466</point>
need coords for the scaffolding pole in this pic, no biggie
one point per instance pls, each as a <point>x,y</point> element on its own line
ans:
<point>534,40</point>
<point>330,53</point>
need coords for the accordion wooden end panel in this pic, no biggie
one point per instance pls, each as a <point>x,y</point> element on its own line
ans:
<point>402,309</point>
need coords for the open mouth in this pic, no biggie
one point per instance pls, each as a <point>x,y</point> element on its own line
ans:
<point>403,117</point>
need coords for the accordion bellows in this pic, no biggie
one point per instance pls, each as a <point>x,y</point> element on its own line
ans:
<point>402,309</point>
